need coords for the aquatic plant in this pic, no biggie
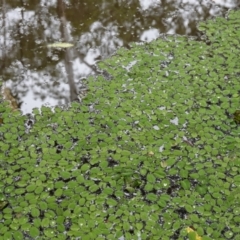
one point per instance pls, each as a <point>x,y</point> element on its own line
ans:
<point>152,153</point>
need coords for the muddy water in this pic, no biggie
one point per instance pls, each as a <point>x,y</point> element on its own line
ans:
<point>36,74</point>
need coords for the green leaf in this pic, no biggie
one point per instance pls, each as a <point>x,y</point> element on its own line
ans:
<point>35,212</point>
<point>17,235</point>
<point>151,178</point>
<point>34,232</point>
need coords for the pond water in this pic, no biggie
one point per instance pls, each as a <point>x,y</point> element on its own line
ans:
<point>36,74</point>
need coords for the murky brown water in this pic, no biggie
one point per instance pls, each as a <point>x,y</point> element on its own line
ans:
<point>37,74</point>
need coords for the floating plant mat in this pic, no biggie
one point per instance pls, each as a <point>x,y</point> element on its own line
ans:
<point>151,154</point>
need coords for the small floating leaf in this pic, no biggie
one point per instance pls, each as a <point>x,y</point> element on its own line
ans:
<point>60,45</point>
<point>193,234</point>
<point>236,116</point>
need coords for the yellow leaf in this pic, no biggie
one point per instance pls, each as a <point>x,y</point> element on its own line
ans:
<point>188,229</point>
<point>163,164</point>
<point>150,153</point>
<point>60,45</point>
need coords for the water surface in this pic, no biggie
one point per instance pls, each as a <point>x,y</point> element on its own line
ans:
<point>37,74</point>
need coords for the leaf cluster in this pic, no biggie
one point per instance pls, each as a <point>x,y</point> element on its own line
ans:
<point>147,154</point>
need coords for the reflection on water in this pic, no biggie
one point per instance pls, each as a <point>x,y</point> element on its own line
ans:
<point>38,75</point>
